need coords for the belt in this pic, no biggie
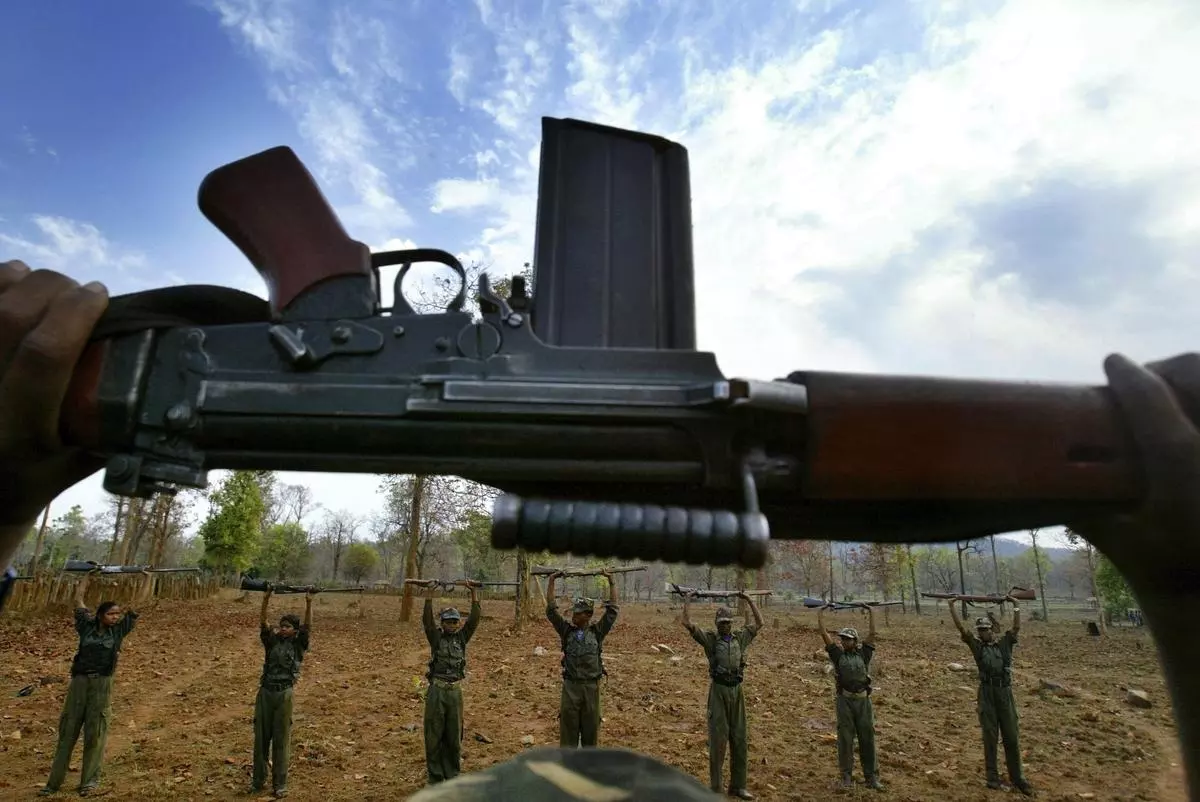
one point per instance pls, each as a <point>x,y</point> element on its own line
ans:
<point>91,675</point>
<point>995,682</point>
<point>855,694</point>
<point>726,682</point>
<point>276,687</point>
<point>445,683</point>
<point>582,681</point>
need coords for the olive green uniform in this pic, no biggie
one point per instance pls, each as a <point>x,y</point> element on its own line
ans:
<point>855,714</point>
<point>88,704</point>
<point>582,668</point>
<point>726,702</point>
<point>549,774</point>
<point>443,700</point>
<point>273,705</point>
<point>997,708</point>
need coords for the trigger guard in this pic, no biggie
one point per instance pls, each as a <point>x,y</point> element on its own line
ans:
<point>406,259</point>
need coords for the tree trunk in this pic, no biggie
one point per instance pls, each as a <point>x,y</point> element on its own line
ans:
<point>996,567</point>
<point>41,538</point>
<point>962,580</point>
<point>414,542</point>
<point>912,576</point>
<point>831,570</point>
<point>116,538</point>
<point>1037,562</point>
<point>1095,587</point>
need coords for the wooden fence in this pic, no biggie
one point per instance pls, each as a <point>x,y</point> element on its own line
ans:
<point>50,592</point>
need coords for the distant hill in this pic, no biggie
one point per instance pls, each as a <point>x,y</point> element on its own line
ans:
<point>1005,547</point>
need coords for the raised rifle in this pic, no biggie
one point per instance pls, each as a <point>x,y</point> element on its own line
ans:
<point>451,584</point>
<point>812,602</point>
<point>620,442</point>
<point>712,594</point>
<point>280,589</point>
<point>543,570</point>
<point>1020,594</point>
<point>82,566</point>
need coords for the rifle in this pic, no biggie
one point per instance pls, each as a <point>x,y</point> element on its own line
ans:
<point>280,589</point>
<point>451,584</point>
<point>542,570</point>
<point>82,566</point>
<point>617,443</point>
<point>1020,594</point>
<point>812,602</point>
<point>712,594</point>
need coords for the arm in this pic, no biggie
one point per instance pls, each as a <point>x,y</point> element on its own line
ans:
<point>825,636</point>
<point>1016,624</point>
<point>612,588</point>
<point>476,611</point>
<point>758,619</point>
<point>81,591</point>
<point>262,615</point>
<point>958,624</point>
<point>870,639</point>
<point>556,620</point>
<point>431,631</point>
<point>308,598</point>
<point>605,624</point>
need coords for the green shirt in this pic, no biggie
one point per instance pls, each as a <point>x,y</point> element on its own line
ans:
<point>726,655</point>
<point>994,660</point>
<point>99,647</point>
<point>283,656</point>
<point>851,669</point>
<point>581,660</point>
<point>448,652</point>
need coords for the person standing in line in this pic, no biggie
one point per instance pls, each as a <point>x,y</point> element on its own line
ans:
<point>726,653</point>
<point>88,706</point>
<point>855,714</point>
<point>284,648</point>
<point>582,664</point>
<point>447,668</point>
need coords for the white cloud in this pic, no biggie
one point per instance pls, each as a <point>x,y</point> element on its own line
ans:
<point>74,247</point>
<point>460,194</point>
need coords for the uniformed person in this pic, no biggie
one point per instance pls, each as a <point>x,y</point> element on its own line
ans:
<point>88,706</point>
<point>582,665</point>
<point>996,706</point>
<point>855,714</point>
<point>284,649</point>
<point>726,653</point>
<point>447,667</point>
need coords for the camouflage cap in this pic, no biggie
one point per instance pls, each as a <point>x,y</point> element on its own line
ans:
<point>724,614</point>
<point>451,614</point>
<point>848,632</point>
<point>583,606</point>
<point>983,623</point>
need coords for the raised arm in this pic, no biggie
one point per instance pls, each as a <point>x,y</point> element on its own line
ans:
<point>1016,610</point>
<point>81,591</point>
<point>427,623</point>
<point>687,619</point>
<point>605,625</point>
<point>958,624</point>
<point>556,620</point>
<point>870,639</point>
<point>825,636</point>
<point>476,610</point>
<point>308,600</point>
<point>612,587</point>
<point>262,615</point>
<point>758,619</point>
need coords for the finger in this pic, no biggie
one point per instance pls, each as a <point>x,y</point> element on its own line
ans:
<point>1157,421</point>
<point>11,273</point>
<point>24,303</point>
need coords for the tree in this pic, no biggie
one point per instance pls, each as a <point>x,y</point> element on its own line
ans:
<point>1118,596</point>
<point>936,564</point>
<point>360,561</point>
<point>232,533</point>
<point>473,537</point>
<point>285,551</point>
<point>1077,540</point>
<point>337,532</point>
<point>1041,573</point>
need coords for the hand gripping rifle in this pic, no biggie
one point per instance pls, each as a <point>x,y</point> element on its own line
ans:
<point>88,566</point>
<point>281,590</point>
<point>713,594</point>
<point>543,570</point>
<point>621,442</point>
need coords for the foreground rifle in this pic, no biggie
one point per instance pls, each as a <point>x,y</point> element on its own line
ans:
<point>812,602</point>
<point>451,584</point>
<point>278,589</point>
<point>713,594</point>
<point>1020,594</point>
<point>81,566</point>
<point>620,442</point>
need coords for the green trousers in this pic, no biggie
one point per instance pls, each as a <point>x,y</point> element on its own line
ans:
<point>998,715</point>
<point>856,719</point>
<point>273,734</point>
<point>579,714</point>
<point>726,728</point>
<point>87,708</point>
<point>443,731</point>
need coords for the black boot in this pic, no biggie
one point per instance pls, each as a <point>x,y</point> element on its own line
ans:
<point>847,780</point>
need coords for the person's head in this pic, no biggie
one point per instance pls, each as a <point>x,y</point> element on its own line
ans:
<point>724,621</point>
<point>983,629</point>
<point>288,625</point>
<point>849,637</point>
<point>109,613</point>
<point>451,620</point>
<point>581,612</point>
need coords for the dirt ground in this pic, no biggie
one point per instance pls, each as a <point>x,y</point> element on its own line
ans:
<point>183,704</point>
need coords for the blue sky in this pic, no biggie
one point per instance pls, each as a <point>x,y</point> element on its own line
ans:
<point>995,189</point>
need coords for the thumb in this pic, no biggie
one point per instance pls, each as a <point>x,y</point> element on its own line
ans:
<point>1155,418</point>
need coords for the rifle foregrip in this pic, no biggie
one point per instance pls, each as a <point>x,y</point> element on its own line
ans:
<point>269,206</point>
<point>888,438</point>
